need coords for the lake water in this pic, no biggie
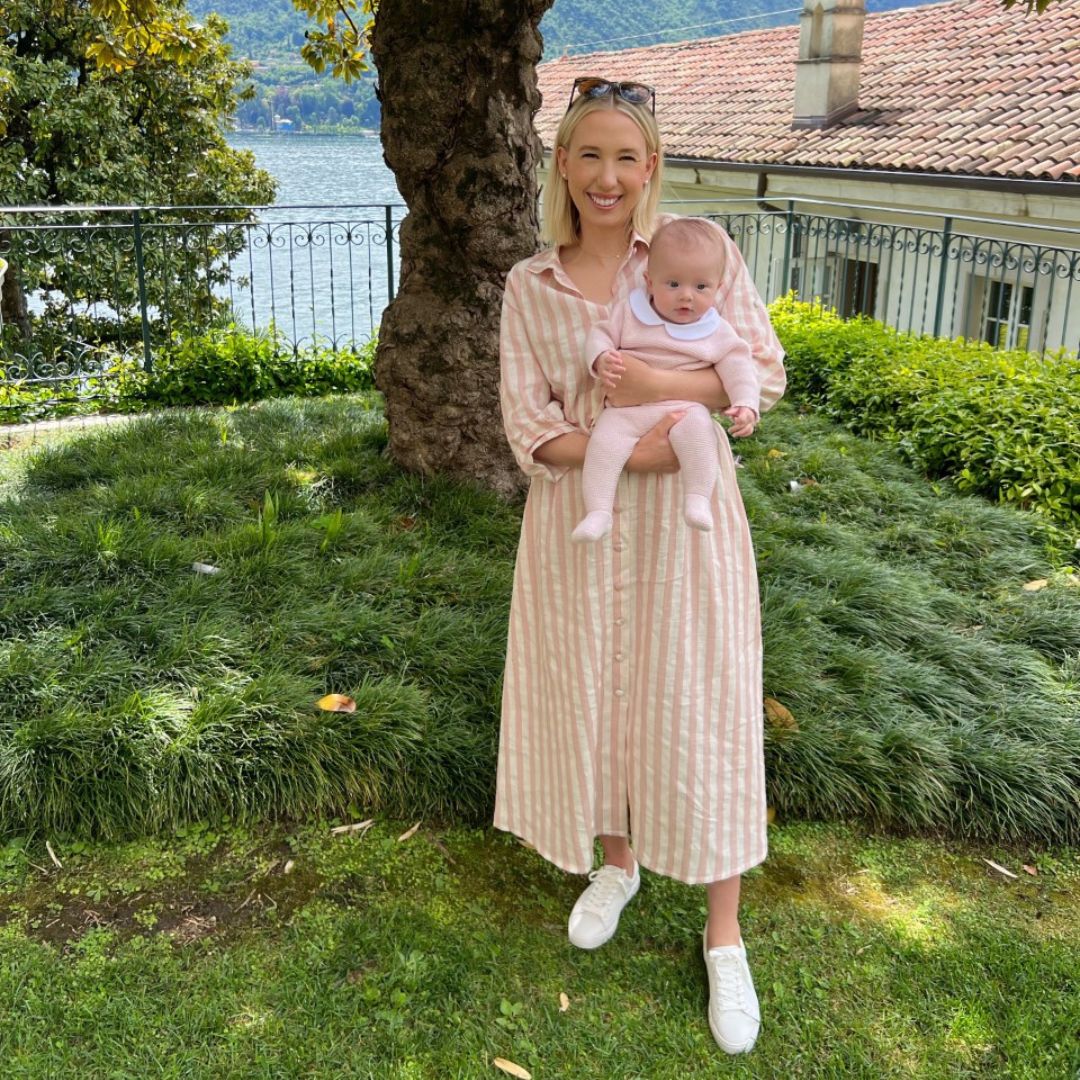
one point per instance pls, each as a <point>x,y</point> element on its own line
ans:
<point>322,262</point>
<point>337,169</point>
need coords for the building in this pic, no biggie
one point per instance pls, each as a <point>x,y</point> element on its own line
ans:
<point>920,165</point>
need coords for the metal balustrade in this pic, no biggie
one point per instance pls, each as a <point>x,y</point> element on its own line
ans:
<point>88,287</point>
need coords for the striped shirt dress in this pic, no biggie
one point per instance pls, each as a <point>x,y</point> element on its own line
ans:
<point>632,695</point>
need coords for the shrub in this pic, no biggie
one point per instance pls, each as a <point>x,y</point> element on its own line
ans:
<point>228,366</point>
<point>1000,424</point>
<point>224,366</point>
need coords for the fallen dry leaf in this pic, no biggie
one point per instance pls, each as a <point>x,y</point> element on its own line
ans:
<point>1032,870</point>
<point>779,715</point>
<point>408,834</point>
<point>774,453</point>
<point>52,855</point>
<point>336,703</point>
<point>770,815</point>
<point>512,1068</point>
<point>1035,586</point>
<point>358,826</point>
<point>205,568</point>
<point>288,867</point>
<point>564,1002</point>
<point>999,868</point>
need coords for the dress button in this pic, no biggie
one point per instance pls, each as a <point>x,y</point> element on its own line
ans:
<point>619,622</point>
<point>619,693</point>
<point>618,656</point>
<point>617,547</point>
<point>618,586</point>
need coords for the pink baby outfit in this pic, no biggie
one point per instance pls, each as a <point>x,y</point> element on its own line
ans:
<point>634,326</point>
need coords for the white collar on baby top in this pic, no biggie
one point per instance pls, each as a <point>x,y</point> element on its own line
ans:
<point>646,313</point>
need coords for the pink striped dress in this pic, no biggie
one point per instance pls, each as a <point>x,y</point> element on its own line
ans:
<point>632,696</point>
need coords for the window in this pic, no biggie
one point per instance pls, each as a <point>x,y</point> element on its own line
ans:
<point>849,285</point>
<point>1006,314</point>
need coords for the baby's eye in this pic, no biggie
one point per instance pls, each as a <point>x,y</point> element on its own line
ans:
<point>702,286</point>
<point>673,284</point>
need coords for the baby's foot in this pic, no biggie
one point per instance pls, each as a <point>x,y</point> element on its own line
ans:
<point>593,526</point>
<point>697,513</point>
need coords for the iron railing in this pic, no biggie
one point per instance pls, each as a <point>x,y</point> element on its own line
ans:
<point>88,285</point>
<point>1013,285</point>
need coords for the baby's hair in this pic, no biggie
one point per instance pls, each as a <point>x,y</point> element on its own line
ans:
<point>688,232</point>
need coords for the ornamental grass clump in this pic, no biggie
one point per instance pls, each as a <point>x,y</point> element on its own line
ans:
<point>178,593</point>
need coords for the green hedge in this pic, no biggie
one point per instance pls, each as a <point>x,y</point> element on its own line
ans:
<point>1003,424</point>
<point>224,366</point>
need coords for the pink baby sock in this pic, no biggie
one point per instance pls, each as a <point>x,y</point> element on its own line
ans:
<point>593,526</point>
<point>697,513</point>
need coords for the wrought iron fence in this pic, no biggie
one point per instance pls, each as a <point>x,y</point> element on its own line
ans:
<point>90,288</point>
<point>1012,285</point>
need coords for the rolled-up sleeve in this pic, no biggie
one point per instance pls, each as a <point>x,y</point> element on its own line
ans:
<point>531,414</point>
<point>742,306</point>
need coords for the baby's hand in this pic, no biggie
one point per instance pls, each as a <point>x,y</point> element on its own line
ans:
<point>743,420</point>
<point>609,368</point>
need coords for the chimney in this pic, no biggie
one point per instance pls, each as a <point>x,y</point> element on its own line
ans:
<point>830,54</point>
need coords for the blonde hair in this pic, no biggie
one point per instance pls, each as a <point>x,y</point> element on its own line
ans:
<point>560,223</point>
<point>696,233</point>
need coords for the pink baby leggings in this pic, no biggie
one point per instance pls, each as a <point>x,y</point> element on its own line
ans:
<point>616,433</point>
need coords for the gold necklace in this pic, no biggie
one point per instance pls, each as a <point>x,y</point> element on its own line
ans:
<point>597,255</point>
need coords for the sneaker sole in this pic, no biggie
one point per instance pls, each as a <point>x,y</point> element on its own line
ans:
<point>611,933</point>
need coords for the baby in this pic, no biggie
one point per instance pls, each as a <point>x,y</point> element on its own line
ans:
<point>673,324</point>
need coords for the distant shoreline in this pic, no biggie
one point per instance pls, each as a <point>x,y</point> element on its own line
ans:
<point>366,134</point>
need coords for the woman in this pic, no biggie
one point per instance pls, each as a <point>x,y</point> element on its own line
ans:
<point>632,701</point>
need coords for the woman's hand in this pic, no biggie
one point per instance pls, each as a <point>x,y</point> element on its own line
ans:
<point>629,381</point>
<point>654,452</point>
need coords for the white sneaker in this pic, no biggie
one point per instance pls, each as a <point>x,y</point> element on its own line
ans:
<point>595,916</point>
<point>734,1014</point>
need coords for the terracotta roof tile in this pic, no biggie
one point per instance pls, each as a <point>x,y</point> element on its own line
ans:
<point>956,87</point>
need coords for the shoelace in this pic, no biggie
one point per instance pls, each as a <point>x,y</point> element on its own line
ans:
<point>730,989</point>
<point>606,883</point>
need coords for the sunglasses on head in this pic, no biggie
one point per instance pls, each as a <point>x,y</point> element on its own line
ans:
<point>590,86</point>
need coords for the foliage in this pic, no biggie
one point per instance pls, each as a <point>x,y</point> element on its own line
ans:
<point>223,366</point>
<point>926,688</point>
<point>110,113</point>
<point>227,366</point>
<point>1002,424</point>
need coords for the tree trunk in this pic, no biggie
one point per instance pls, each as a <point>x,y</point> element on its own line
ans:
<point>457,84</point>
<point>13,308</point>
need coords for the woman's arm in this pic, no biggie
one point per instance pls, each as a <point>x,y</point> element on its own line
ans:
<point>640,384</point>
<point>653,453</point>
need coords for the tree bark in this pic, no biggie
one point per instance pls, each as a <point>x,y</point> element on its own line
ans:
<point>13,309</point>
<point>457,84</point>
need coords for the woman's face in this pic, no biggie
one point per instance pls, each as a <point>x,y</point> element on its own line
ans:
<point>606,168</point>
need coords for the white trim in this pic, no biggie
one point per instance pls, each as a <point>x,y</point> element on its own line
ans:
<point>644,312</point>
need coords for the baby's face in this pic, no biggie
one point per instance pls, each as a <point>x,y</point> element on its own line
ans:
<point>682,285</point>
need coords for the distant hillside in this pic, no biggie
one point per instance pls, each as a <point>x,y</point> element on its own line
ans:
<point>270,32</point>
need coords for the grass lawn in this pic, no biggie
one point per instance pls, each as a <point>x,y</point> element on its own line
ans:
<point>200,956</point>
<point>926,688</point>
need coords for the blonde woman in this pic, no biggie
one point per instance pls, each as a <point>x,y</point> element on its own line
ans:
<point>632,700</point>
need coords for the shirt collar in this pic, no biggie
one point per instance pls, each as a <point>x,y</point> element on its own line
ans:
<point>548,259</point>
<point>644,312</point>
